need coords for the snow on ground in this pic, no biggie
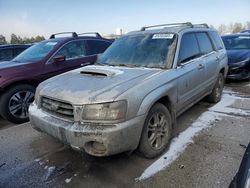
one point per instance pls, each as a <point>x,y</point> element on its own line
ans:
<point>179,144</point>
<point>68,180</point>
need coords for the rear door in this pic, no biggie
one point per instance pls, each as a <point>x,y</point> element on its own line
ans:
<point>209,56</point>
<point>190,70</point>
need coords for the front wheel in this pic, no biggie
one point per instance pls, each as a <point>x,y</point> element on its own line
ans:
<point>216,94</point>
<point>156,132</point>
<point>14,103</point>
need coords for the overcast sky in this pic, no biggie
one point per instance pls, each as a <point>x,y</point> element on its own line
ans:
<point>43,17</point>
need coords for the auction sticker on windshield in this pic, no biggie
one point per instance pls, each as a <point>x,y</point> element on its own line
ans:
<point>163,36</point>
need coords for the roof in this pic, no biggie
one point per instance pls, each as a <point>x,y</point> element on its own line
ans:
<point>172,28</point>
<point>14,45</point>
<point>236,35</point>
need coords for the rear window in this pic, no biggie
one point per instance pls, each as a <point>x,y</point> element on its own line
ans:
<point>204,43</point>
<point>216,40</point>
<point>189,48</point>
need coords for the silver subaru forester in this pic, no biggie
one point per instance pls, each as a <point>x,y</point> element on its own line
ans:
<point>131,97</point>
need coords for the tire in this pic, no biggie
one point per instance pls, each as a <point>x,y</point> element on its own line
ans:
<point>15,101</point>
<point>216,94</point>
<point>156,136</point>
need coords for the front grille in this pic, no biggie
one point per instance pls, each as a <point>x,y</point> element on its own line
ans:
<point>57,108</point>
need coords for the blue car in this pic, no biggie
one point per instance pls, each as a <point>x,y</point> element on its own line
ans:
<point>9,51</point>
<point>238,51</point>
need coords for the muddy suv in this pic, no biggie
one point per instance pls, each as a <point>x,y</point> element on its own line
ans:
<point>131,97</point>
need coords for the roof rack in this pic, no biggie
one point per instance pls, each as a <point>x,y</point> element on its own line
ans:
<point>201,25</point>
<point>73,34</point>
<point>186,24</point>
<point>95,33</point>
<point>189,24</point>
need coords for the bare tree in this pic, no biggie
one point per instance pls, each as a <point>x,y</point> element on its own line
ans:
<point>2,40</point>
<point>237,27</point>
<point>247,25</point>
<point>222,29</point>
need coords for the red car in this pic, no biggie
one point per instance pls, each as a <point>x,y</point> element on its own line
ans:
<point>20,76</point>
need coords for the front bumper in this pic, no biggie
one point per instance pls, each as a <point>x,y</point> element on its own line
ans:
<point>95,139</point>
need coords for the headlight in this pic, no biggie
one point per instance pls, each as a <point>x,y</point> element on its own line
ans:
<point>242,63</point>
<point>36,101</point>
<point>105,111</point>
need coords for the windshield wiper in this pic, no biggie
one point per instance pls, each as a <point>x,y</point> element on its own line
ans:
<point>16,61</point>
<point>102,64</point>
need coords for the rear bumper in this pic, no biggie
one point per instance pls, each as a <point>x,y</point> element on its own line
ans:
<point>95,139</point>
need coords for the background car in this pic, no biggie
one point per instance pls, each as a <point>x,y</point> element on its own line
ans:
<point>9,51</point>
<point>246,31</point>
<point>238,51</point>
<point>19,77</point>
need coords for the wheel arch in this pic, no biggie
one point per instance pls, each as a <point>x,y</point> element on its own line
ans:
<point>33,83</point>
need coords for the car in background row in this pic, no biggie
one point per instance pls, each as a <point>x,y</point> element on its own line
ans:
<point>246,31</point>
<point>238,51</point>
<point>20,76</point>
<point>9,51</point>
<point>242,178</point>
<point>135,91</point>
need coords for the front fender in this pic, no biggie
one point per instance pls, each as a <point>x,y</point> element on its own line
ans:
<point>168,90</point>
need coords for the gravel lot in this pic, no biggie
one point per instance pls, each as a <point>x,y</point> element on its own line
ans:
<point>208,159</point>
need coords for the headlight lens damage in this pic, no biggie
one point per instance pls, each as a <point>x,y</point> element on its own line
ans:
<point>105,111</point>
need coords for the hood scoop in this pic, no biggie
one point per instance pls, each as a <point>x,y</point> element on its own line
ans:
<point>93,73</point>
<point>100,71</point>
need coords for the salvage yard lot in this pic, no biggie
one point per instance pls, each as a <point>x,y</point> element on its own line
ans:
<point>32,159</point>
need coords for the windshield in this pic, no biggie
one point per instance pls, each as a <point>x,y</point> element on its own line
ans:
<point>36,52</point>
<point>237,42</point>
<point>146,50</point>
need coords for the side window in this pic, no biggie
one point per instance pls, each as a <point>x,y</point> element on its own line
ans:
<point>97,46</point>
<point>217,40</point>
<point>6,54</point>
<point>204,43</point>
<point>189,48</point>
<point>73,50</point>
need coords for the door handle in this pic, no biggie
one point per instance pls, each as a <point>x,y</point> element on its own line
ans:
<point>217,58</point>
<point>200,66</point>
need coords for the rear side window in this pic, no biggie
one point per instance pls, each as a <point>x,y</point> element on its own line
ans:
<point>6,54</point>
<point>216,40</point>
<point>97,46</point>
<point>204,43</point>
<point>189,48</point>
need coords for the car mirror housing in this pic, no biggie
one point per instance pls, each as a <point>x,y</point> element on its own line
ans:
<point>58,58</point>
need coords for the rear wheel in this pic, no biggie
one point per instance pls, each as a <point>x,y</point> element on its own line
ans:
<point>216,94</point>
<point>14,103</point>
<point>156,132</point>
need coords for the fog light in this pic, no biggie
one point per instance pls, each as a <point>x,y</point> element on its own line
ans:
<point>98,147</point>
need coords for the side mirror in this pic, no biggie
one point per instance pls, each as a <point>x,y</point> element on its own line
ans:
<point>58,58</point>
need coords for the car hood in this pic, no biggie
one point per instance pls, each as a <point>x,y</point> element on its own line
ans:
<point>94,84</point>
<point>10,64</point>
<point>235,56</point>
